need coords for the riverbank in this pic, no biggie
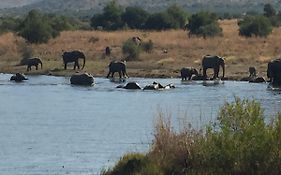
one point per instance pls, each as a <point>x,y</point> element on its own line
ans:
<point>172,50</point>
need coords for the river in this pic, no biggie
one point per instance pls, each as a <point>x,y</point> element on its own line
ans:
<point>48,126</point>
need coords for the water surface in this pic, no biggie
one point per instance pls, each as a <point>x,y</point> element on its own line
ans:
<point>48,126</point>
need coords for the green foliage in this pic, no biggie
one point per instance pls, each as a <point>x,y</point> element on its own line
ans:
<point>134,164</point>
<point>110,19</point>
<point>131,49</point>
<point>204,24</point>
<point>8,24</point>
<point>269,10</point>
<point>159,21</point>
<point>255,26</point>
<point>240,142</point>
<point>147,46</point>
<point>178,16</point>
<point>135,17</point>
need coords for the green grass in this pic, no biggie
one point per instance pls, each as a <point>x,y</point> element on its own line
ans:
<point>240,142</point>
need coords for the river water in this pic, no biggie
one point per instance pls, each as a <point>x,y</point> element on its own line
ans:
<point>48,126</point>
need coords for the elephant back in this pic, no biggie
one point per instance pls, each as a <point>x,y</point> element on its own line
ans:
<point>82,79</point>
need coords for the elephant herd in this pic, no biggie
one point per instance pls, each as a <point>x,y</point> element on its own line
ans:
<point>187,73</point>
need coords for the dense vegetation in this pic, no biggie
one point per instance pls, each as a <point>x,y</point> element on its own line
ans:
<point>240,142</point>
<point>37,27</point>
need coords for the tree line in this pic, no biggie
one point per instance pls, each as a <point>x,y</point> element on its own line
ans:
<point>37,27</point>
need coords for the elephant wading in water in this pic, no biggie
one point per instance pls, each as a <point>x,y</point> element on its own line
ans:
<point>73,56</point>
<point>274,72</point>
<point>82,79</point>
<point>187,72</point>
<point>213,62</point>
<point>117,66</point>
<point>31,62</point>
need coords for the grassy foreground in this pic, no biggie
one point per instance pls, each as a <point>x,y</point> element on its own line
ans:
<point>239,143</point>
<point>240,52</point>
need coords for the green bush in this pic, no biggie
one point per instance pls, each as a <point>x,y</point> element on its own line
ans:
<point>255,26</point>
<point>159,21</point>
<point>204,24</point>
<point>239,142</point>
<point>178,16</point>
<point>135,17</point>
<point>131,50</point>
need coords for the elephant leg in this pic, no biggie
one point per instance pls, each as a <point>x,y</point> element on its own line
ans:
<point>120,75</point>
<point>205,73</point>
<point>112,74</point>
<point>108,74</point>
<point>65,65</point>
<point>37,67</point>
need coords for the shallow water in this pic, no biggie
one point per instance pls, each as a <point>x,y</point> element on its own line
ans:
<point>48,126</point>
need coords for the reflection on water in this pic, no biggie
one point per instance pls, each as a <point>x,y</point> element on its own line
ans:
<point>48,126</point>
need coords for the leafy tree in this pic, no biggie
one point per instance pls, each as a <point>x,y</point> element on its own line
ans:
<point>9,24</point>
<point>269,11</point>
<point>131,49</point>
<point>204,24</point>
<point>35,28</point>
<point>110,19</point>
<point>135,17</point>
<point>159,21</point>
<point>178,15</point>
<point>255,26</point>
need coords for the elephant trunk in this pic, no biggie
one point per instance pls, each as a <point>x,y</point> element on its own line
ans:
<point>84,60</point>
<point>41,64</point>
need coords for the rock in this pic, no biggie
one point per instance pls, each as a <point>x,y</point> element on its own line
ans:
<point>82,79</point>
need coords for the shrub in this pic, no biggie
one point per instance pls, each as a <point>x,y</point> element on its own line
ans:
<point>204,24</point>
<point>159,21</point>
<point>131,49</point>
<point>135,17</point>
<point>255,26</point>
<point>147,46</point>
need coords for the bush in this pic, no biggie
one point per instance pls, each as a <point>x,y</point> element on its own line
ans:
<point>178,15</point>
<point>255,26</point>
<point>204,24</point>
<point>147,46</point>
<point>239,142</point>
<point>135,17</point>
<point>131,49</point>
<point>159,21</point>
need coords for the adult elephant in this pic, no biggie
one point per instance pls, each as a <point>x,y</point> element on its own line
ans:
<point>73,56</point>
<point>117,66</point>
<point>31,62</point>
<point>18,77</point>
<point>213,62</point>
<point>82,79</point>
<point>274,72</point>
<point>187,72</point>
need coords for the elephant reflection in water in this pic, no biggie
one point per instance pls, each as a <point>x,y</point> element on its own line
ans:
<point>213,62</point>
<point>274,72</point>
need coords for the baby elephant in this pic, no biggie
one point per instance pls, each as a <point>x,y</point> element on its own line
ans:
<point>117,66</point>
<point>31,62</point>
<point>187,72</point>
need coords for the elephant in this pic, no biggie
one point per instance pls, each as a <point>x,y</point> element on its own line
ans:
<point>214,62</point>
<point>130,85</point>
<point>274,72</point>
<point>31,62</point>
<point>158,86</point>
<point>136,40</point>
<point>117,66</point>
<point>18,77</point>
<point>252,72</point>
<point>73,56</point>
<point>188,72</point>
<point>107,51</point>
<point>82,79</point>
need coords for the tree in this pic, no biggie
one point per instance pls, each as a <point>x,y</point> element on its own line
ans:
<point>204,24</point>
<point>135,17</point>
<point>269,11</point>
<point>159,21</point>
<point>35,28</point>
<point>255,26</point>
<point>110,19</point>
<point>178,15</point>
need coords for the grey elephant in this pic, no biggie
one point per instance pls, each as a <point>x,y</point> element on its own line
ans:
<point>213,62</point>
<point>18,77</point>
<point>31,62</point>
<point>73,56</point>
<point>130,85</point>
<point>82,79</point>
<point>187,72</point>
<point>274,72</point>
<point>117,66</point>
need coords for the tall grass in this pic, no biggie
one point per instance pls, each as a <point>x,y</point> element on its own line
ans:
<point>240,142</point>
